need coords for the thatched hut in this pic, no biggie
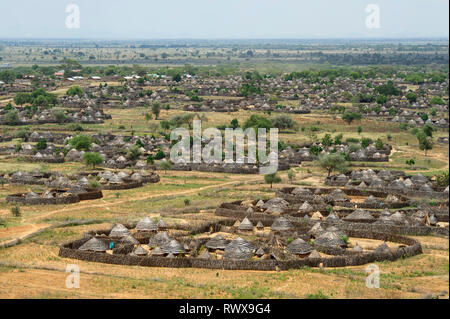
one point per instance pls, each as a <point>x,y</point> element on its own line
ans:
<point>140,251</point>
<point>218,242</point>
<point>95,245</point>
<point>246,225</point>
<point>239,248</point>
<point>119,231</point>
<point>173,247</point>
<point>160,239</point>
<point>146,224</point>
<point>281,224</point>
<point>330,239</point>
<point>359,216</point>
<point>299,247</point>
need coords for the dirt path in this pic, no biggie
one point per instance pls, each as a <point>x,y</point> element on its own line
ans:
<point>20,232</point>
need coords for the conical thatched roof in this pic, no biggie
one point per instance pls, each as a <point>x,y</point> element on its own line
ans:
<point>398,218</point>
<point>332,217</point>
<point>218,242</point>
<point>173,247</point>
<point>260,252</point>
<point>317,216</point>
<point>146,224</point>
<point>205,255</point>
<point>239,249</point>
<point>162,224</point>
<point>306,207</point>
<point>316,230</point>
<point>260,203</point>
<point>371,200</point>
<point>94,244</point>
<point>299,247</point>
<point>330,239</point>
<point>160,239</point>
<point>277,202</point>
<point>140,251</point>
<point>170,255</point>
<point>339,195</point>
<point>246,224</point>
<point>128,239</point>
<point>314,254</point>
<point>249,210</point>
<point>425,188</point>
<point>281,224</point>
<point>302,192</point>
<point>259,225</point>
<point>119,231</point>
<point>359,215</point>
<point>157,252</point>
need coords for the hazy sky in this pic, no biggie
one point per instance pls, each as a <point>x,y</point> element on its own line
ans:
<point>150,19</point>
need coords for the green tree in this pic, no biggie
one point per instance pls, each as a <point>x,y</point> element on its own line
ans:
<point>81,142</point>
<point>379,144</point>
<point>74,90</point>
<point>234,123</point>
<point>11,118</point>
<point>92,158</point>
<point>156,109</point>
<point>327,140</point>
<point>291,175</point>
<point>349,117</point>
<point>331,162</point>
<point>257,121</point>
<point>411,97</point>
<point>436,100</point>
<point>272,179</point>
<point>381,99</point>
<point>42,144</point>
<point>428,129</point>
<point>425,142</point>
<point>165,165</point>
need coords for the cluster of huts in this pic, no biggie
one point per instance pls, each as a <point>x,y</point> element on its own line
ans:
<point>393,181</point>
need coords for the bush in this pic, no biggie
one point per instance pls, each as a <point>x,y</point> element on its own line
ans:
<point>379,144</point>
<point>133,153</point>
<point>283,122</point>
<point>15,211</point>
<point>160,155</point>
<point>74,90</point>
<point>257,121</point>
<point>94,184</point>
<point>42,144</point>
<point>442,179</point>
<point>187,202</point>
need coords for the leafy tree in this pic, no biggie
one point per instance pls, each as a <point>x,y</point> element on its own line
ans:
<point>379,144</point>
<point>92,158</point>
<point>436,100</point>
<point>425,142</point>
<point>42,144</point>
<point>176,77</point>
<point>156,109</point>
<point>234,123</point>
<point>257,121</point>
<point>359,129</point>
<point>411,97</point>
<point>327,140</point>
<point>381,99</point>
<point>272,179</point>
<point>22,98</point>
<point>81,142</point>
<point>150,159</point>
<point>74,90</point>
<point>165,165</point>
<point>349,117</point>
<point>338,139</point>
<point>388,89</point>
<point>428,130</point>
<point>332,162</point>
<point>365,142</point>
<point>159,155</point>
<point>12,117</point>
